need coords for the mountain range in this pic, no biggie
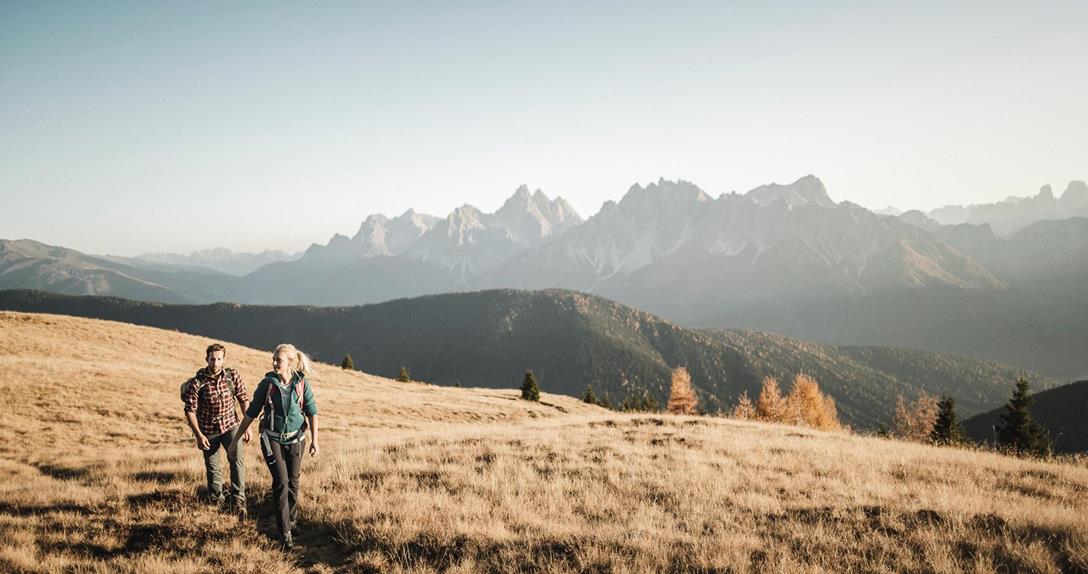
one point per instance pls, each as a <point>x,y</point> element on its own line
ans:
<point>781,258</point>
<point>570,340</point>
<point>1016,213</point>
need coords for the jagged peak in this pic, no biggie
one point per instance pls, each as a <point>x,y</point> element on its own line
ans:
<point>806,190</point>
<point>664,191</point>
<point>1077,190</point>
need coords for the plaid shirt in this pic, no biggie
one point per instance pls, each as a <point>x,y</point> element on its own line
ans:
<point>212,401</point>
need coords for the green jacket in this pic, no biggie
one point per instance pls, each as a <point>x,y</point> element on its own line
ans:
<point>286,417</point>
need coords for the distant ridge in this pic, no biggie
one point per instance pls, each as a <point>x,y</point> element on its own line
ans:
<point>570,340</point>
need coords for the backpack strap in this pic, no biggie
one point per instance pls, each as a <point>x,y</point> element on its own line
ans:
<point>299,387</point>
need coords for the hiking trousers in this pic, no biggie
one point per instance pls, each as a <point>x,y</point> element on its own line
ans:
<point>284,463</point>
<point>213,467</point>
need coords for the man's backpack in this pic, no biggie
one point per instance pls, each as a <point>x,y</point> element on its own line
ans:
<point>227,372</point>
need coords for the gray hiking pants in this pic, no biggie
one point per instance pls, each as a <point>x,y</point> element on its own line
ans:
<point>284,462</point>
<point>213,467</point>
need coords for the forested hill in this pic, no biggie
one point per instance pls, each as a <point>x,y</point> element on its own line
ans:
<point>570,340</point>
<point>1062,412</point>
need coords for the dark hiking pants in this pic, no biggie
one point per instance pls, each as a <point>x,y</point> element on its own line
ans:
<point>213,467</point>
<point>284,462</point>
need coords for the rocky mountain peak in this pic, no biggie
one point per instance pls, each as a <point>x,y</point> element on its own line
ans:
<point>808,190</point>
<point>1076,193</point>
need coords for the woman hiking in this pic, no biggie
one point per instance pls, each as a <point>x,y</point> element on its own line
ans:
<point>287,402</point>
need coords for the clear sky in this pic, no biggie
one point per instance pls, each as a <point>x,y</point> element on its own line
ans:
<point>175,126</point>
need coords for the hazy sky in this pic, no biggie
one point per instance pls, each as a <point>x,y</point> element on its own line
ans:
<point>148,126</point>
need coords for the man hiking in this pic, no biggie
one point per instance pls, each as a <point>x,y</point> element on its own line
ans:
<point>209,399</point>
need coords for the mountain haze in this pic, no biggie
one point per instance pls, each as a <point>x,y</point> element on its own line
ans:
<point>784,258</point>
<point>1015,213</point>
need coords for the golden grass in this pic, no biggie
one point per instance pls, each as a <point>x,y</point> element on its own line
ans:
<point>99,474</point>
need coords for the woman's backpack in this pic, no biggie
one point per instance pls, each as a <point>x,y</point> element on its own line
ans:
<point>268,413</point>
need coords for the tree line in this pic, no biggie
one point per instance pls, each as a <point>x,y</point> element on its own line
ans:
<point>927,418</point>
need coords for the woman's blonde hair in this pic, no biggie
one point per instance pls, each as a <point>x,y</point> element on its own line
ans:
<point>302,363</point>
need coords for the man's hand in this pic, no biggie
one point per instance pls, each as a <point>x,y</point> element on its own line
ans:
<point>246,436</point>
<point>313,449</point>
<point>202,441</point>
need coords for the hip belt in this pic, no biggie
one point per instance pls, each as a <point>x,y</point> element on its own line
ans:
<point>285,437</point>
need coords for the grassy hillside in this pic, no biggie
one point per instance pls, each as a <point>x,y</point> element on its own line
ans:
<point>417,478</point>
<point>1061,411</point>
<point>570,340</point>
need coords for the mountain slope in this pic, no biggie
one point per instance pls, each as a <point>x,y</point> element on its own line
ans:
<point>570,340</point>
<point>30,264</point>
<point>416,478</point>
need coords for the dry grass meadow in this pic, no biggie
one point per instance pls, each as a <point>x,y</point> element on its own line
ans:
<point>99,474</point>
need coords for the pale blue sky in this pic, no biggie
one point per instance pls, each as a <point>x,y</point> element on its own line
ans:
<point>124,126</point>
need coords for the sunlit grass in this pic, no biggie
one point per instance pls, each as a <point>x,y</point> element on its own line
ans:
<point>99,474</point>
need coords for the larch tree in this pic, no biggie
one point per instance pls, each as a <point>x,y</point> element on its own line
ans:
<point>770,406</point>
<point>682,399</point>
<point>914,421</point>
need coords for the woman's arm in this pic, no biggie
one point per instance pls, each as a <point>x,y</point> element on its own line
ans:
<point>309,408</point>
<point>312,419</point>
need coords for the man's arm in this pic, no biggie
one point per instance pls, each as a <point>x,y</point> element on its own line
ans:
<point>201,441</point>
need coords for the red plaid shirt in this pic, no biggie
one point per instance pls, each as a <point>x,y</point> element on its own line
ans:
<point>210,397</point>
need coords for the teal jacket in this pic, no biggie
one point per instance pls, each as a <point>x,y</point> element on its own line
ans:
<point>286,416</point>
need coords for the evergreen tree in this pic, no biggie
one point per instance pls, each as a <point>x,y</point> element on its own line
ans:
<point>347,363</point>
<point>947,429</point>
<point>403,376</point>
<point>606,402</point>
<point>529,389</point>
<point>642,403</point>
<point>1019,432</point>
<point>589,397</point>
<point>682,399</point>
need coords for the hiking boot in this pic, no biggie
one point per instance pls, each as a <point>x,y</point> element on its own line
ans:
<point>240,508</point>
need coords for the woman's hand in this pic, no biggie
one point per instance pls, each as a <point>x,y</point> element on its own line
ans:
<point>314,448</point>
<point>247,436</point>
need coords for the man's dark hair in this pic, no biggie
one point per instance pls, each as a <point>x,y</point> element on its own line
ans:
<point>213,348</point>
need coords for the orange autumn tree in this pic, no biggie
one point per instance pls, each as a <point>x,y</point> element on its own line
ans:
<point>682,399</point>
<point>804,405</point>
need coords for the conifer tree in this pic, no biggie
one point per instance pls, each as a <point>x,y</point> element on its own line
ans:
<point>682,399</point>
<point>529,389</point>
<point>744,409</point>
<point>347,363</point>
<point>914,421</point>
<point>606,401</point>
<point>806,405</point>
<point>769,406</point>
<point>589,397</point>
<point>1018,431</point>
<point>403,375</point>
<point>947,429</point>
